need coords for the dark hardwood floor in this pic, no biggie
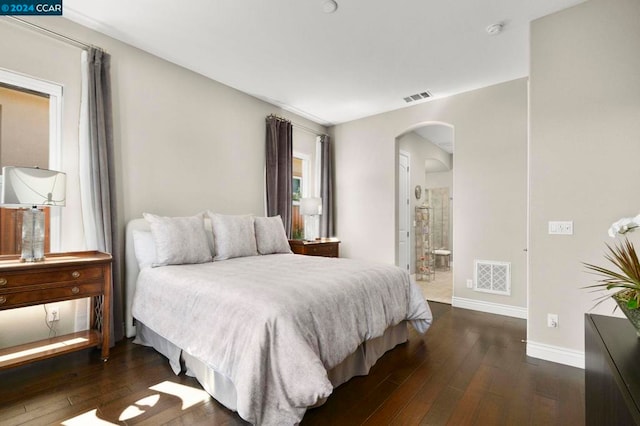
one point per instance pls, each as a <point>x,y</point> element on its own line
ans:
<point>470,368</point>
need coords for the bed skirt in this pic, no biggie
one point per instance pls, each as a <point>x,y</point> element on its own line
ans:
<point>223,390</point>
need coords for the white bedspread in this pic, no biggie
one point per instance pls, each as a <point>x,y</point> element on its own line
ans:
<point>275,324</point>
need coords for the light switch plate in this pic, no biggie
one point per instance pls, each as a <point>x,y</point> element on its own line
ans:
<point>561,227</point>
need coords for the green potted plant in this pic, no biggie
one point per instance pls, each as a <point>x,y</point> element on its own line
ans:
<point>626,279</point>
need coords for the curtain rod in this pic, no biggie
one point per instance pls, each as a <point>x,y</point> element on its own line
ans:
<point>53,34</point>
<point>299,126</point>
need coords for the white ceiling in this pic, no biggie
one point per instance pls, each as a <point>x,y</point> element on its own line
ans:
<point>359,61</point>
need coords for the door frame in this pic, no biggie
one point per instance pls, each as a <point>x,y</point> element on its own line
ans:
<point>407,155</point>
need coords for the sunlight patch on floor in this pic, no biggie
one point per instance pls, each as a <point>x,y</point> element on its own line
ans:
<point>134,410</point>
<point>88,418</point>
<point>41,349</point>
<point>190,396</point>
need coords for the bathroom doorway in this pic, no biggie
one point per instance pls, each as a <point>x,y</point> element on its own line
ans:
<point>430,149</point>
<point>440,288</point>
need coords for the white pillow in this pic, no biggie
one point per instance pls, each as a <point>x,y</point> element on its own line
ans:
<point>179,240</point>
<point>144,248</point>
<point>271,236</point>
<point>233,236</point>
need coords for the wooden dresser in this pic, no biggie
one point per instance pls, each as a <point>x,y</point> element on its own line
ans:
<point>60,277</point>
<point>327,247</point>
<point>612,376</point>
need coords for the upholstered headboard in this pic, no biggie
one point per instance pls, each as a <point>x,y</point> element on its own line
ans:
<point>131,271</point>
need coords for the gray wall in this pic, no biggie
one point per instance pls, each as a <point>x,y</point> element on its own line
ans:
<point>585,146</point>
<point>490,182</point>
<point>183,142</point>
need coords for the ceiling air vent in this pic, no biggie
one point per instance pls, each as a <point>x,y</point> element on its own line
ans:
<point>417,97</point>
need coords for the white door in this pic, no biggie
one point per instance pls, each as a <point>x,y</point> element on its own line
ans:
<point>404,248</point>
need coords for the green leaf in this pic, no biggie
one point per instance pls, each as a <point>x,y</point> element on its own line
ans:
<point>632,304</point>
<point>625,258</point>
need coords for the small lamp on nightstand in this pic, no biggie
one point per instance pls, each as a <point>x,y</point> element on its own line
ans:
<point>32,187</point>
<point>311,207</point>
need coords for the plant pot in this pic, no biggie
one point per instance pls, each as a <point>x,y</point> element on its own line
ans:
<point>633,315</point>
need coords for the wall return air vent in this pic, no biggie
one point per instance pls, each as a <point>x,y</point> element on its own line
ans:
<point>417,97</point>
<point>493,277</point>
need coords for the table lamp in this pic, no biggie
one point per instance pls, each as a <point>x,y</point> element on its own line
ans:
<point>311,207</point>
<point>32,187</point>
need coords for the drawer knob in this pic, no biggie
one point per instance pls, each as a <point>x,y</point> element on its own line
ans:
<point>75,274</point>
<point>2,299</point>
<point>75,290</point>
<point>3,281</point>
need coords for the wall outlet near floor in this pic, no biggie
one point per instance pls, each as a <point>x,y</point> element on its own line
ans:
<point>53,314</point>
<point>469,283</point>
<point>552,320</point>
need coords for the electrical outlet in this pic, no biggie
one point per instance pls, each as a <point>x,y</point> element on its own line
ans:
<point>552,320</point>
<point>469,283</point>
<point>53,314</point>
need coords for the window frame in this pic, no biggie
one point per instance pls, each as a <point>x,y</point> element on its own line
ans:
<point>304,179</point>
<point>54,91</point>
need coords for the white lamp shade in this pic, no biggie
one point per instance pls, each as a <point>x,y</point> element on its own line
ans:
<point>30,186</point>
<point>311,206</point>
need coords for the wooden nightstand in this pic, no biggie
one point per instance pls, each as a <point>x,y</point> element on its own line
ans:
<point>327,247</point>
<point>61,276</point>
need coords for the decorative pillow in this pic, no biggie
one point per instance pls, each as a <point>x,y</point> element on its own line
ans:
<point>209,231</point>
<point>144,248</point>
<point>233,236</point>
<point>179,240</point>
<point>270,235</point>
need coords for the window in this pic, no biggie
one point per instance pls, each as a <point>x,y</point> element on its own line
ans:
<point>304,179</point>
<point>300,187</point>
<point>29,136</point>
<point>297,189</point>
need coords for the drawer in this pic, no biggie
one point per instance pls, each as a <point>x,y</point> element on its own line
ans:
<point>44,275</point>
<point>323,249</point>
<point>48,295</point>
<point>297,249</point>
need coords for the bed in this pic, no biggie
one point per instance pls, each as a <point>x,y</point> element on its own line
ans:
<point>267,335</point>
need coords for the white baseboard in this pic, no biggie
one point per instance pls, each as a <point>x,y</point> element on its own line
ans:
<point>556,354</point>
<point>489,307</point>
<point>551,353</point>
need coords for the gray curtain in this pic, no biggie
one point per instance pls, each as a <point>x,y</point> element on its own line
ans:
<point>326,187</point>
<point>97,178</point>
<point>279,173</point>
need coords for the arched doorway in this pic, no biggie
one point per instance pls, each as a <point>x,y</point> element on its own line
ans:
<point>427,248</point>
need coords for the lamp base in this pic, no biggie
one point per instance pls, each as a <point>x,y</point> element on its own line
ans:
<point>311,228</point>
<point>32,236</point>
<point>32,259</point>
